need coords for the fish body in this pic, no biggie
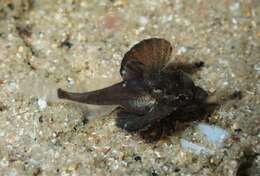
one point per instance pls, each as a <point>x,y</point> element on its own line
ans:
<point>151,90</point>
<point>128,94</point>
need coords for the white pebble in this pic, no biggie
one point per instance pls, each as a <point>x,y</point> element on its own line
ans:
<point>166,18</point>
<point>12,87</point>
<point>42,103</point>
<point>234,21</point>
<point>70,81</point>
<point>143,20</point>
<point>234,6</point>
<point>182,50</point>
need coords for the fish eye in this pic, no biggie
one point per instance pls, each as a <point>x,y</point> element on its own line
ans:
<point>157,91</point>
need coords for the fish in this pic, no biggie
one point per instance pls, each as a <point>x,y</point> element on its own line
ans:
<point>153,88</point>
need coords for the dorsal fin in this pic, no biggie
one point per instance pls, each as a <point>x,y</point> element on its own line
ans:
<point>147,55</point>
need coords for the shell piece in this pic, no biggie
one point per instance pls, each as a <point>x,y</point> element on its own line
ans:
<point>147,55</point>
<point>214,134</point>
<point>195,148</point>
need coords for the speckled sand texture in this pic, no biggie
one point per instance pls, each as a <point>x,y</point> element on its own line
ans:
<point>78,45</point>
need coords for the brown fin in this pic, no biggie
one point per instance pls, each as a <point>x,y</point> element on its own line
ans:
<point>132,122</point>
<point>153,53</point>
<point>186,67</point>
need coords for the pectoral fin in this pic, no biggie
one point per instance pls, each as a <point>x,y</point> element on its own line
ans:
<point>133,122</point>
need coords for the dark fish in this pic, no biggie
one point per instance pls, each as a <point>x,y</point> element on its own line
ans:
<point>152,88</point>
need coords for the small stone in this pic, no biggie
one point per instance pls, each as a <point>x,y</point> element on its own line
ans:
<point>177,169</point>
<point>12,87</point>
<point>182,50</point>
<point>111,22</point>
<point>41,119</point>
<point>234,6</point>
<point>143,20</point>
<point>3,107</point>
<point>104,149</point>
<point>20,49</point>
<point>258,34</point>
<point>42,103</point>
<point>138,158</point>
<point>70,81</point>
<point>238,130</point>
<point>234,21</point>
<point>166,19</point>
<point>235,138</point>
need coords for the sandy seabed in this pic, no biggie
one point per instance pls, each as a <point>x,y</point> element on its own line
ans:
<point>78,45</point>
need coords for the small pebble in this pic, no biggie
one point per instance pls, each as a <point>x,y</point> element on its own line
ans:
<point>238,130</point>
<point>234,6</point>
<point>70,81</point>
<point>143,20</point>
<point>177,169</point>
<point>138,158</point>
<point>42,103</point>
<point>41,119</point>
<point>12,87</point>
<point>182,50</point>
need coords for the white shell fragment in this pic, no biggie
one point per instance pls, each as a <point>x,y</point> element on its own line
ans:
<point>195,148</point>
<point>211,138</point>
<point>12,87</point>
<point>42,103</point>
<point>214,134</point>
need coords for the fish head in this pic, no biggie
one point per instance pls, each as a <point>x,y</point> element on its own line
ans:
<point>175,88</point>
